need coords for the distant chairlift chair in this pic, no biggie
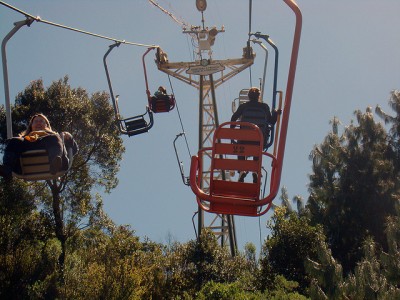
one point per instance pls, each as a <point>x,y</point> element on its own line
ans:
<point>132,125</point>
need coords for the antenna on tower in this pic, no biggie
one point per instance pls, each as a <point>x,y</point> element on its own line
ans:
<point>201,6</point>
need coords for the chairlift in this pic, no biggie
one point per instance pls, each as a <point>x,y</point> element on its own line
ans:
<point>159,103</point>
<point>137,124</point>
<point>133,125</point>
<point>35,165</point>
<point>230,197</point>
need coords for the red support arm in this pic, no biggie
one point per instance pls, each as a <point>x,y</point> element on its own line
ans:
<point>288,97</point>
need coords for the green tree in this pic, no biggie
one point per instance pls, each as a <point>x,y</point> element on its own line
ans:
<point>292,241</point>
<point>369,280</point>
<point>113,265</point>
<point>352,187</point>
<point>391,258</point>
<point>28,251</point>
<point>285,202</point>
<point>394,121</point>
<point>71,201</point>
<point>325,272</point>
<point>192,265</point>
<point>373,277</point>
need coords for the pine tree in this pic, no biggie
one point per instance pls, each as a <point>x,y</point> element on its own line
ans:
<point>352,187</point>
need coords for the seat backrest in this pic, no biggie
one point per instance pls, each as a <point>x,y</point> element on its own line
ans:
<point>138,124</point>
<point>163,103</point>
<point>34,162</point>
<point>243,96</point>
<point>35,165</point>
<point>225,157</point>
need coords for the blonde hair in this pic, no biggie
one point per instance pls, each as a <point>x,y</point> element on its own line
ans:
<point>29,127</point>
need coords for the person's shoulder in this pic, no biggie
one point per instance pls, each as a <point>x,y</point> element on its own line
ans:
<point>257,104</point>
<point>248,103</point>
<point>265,105</point>
<point>243,105</point>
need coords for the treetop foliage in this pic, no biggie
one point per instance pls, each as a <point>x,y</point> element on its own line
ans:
<point>57,242</point>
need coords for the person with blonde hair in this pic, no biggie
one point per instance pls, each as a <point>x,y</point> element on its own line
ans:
<point>37,136</point>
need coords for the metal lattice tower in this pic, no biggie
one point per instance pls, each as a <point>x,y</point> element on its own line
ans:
<point>206,75</point>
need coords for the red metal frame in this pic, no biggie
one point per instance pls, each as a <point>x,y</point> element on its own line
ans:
<point>289,92</point>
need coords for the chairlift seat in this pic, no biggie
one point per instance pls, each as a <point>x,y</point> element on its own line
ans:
<point>162,104</point>
<point>138,124</point>
<point>243,98</point>
<point>35,165</point>
<point>224,196</point>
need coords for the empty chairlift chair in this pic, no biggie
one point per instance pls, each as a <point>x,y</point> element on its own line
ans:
<point>132,125</point>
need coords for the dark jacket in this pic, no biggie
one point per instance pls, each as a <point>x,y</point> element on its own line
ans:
<point>257,113</point>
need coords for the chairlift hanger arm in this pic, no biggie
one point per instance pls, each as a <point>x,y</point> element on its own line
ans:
<point>274,91</point>
<point>114,101</point>
<point>145,70</point>
<point>184,179</point>
<point>289,91</point>
<point>17,26</point>
<point>272,44</point>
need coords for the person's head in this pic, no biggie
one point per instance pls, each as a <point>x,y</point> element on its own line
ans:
<point>162,89</point>
<point>37,122</point>
<point>254,94</point>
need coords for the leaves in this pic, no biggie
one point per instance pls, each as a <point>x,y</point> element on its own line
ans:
<point>351,186</point>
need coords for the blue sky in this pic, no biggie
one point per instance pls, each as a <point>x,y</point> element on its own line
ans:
<point>349,59</point>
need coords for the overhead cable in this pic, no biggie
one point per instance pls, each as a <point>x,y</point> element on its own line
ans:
<point>180,22</point>
<point>39,19</point>
<point>248,41</point>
